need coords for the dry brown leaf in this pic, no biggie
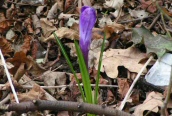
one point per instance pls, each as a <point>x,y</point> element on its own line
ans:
<point>17,60</point>
<point>138,13</point>
<point>117,4</point>
<point>54,79</point>
<point>68,4</point>
<point>47,27</point>
<point>27,44</point>
<point>10,12</point>
<point>55,9</point>
<point>112,58</point>
<point>98,33</point>
<point>6,47</point>
<point>167,12</point>
<point>74,90</point>
<point>35,93</point>
<point>34,69</point>
<point>135,97</point>
<point>31,66</point>
<point>63,32</point>
<point>5,25</point>
<point>36,24</point>
<point>105,20</point>
<point>95,47</point>
<point>149,5</point>
<point>66,16</point>
<point>124,86</point>
<point>40,10</point>
<point>87,2</point>
<point>115,27</point>
<point>152,102</point>
<point>72,49</point>
<point>20,72</point>
<point>28,25</point>
<point>2,16</point>
<point>72,21</point>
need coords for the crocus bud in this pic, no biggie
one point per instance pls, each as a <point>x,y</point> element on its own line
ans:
<point>86,24</point>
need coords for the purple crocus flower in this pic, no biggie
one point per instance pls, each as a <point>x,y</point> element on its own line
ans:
<point>86,24</point>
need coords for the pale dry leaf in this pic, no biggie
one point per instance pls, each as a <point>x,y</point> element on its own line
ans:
<point>71,21</point>
<point>112,58</point>
<point>53,12</point>
<point>66,16</point>
<point>124,86</point>
<point>105,20</point>
<point>35,69</point>
<point>115,27</point>
<point>47,27</point>
<point>54,79</point>
<point>36,24</point>
<point>20,72</point>
<point>138,13</point>
<point>72,49</point>
<point>35,93</point>
<point>40,10</point>
<point>87,2</point>
<point>2,16</point>
<point>116,4</point>
<point>10,34</point>
<point>63,32</point>
<point>98,6</point>
<point>115,13</point>
<point>152,102</point>
<point>98,33</point>
<point>94,48</point>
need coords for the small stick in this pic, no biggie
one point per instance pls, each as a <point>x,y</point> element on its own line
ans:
<point>60,86</point>
<point>9,77</point>
<point>138,19</point>
<point>154,21</point>
<point>134,82</point>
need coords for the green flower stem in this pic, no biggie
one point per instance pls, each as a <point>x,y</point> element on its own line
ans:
<point>85,74</point>
<point>70,65</point>
<point>98,73</point>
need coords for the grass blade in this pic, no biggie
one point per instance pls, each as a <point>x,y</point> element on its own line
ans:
<point>70,65</point>
<point>98,73</point>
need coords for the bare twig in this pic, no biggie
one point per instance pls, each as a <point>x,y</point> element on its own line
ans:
<point>54,87</point>
<point>134,82</point>
<point>128,21</point>
<point>64,106</point>
<point>154,21</point>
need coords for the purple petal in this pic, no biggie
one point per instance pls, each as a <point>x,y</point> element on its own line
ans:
<point>87,21</point>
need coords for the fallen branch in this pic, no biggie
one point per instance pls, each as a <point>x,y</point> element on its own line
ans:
<point>63,106</point>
